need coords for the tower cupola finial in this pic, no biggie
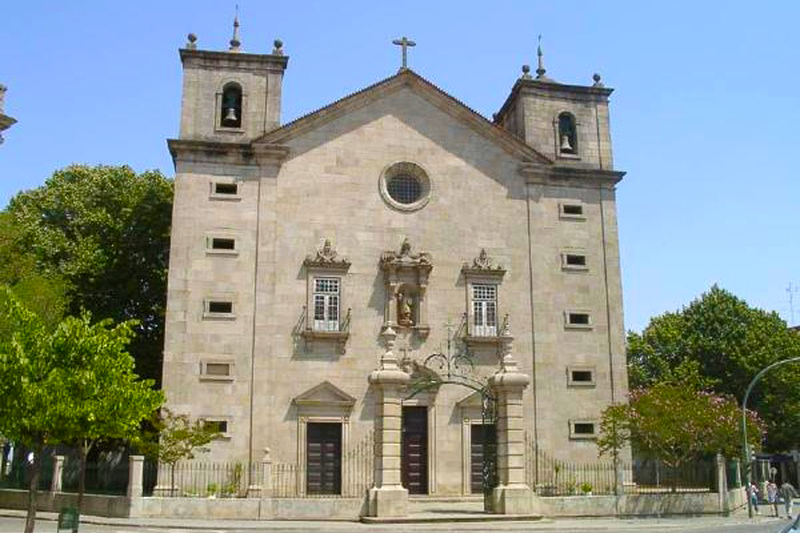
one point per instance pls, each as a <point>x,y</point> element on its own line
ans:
<point>235,42</point>
<point>540,70</point>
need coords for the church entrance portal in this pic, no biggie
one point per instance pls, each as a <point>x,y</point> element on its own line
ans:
<point>414,461</point>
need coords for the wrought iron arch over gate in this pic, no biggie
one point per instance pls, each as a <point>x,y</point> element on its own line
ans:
<point>457,368</point>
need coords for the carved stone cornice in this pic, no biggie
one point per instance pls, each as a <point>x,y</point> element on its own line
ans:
<point>483,265</point>
<point>406,259</point>
<point>327,257</point>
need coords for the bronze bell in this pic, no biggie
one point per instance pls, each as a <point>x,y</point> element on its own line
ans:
<point>565,146</point>
<point>230,117</point>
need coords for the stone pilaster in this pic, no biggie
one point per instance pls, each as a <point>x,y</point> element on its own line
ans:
<point>512,495</point>
<point>388,497</point>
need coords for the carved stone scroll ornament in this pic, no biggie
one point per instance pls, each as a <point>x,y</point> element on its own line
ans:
<point>405,258</point>
<point>327,257</point>
<point>483,264</point>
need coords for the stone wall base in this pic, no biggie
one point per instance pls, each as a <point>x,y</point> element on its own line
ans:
<point>388,502</point>
<point>513,499</point>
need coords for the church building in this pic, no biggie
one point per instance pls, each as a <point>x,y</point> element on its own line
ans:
<point>393,270</point>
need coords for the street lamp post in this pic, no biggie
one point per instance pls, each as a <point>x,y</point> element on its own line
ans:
<point>744,426</point>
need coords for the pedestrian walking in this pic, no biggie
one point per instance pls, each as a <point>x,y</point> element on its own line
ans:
<point>772,497</point>
<point>752,493</point>
<point>787,492</point>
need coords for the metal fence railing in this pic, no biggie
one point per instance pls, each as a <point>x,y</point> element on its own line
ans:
<point>550,476</point>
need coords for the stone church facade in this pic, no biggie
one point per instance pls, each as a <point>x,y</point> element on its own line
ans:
<point>315,267</point>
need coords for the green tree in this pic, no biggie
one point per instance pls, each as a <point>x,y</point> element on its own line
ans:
<point>29,388</point>
<point>105,231</point>
<point>726,342</point>
<point>72,384</point>
<point>177,437</point>
<point>674,422</point>
<point>43,293</point>
<point>100,397</point>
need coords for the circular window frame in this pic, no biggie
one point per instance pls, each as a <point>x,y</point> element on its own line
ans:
<point>408,168</point>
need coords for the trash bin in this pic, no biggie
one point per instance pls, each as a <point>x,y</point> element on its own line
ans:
<point>68,520</point>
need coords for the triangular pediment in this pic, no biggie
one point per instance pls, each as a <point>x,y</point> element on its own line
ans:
<point>420,86</point>
<point>325,394</point>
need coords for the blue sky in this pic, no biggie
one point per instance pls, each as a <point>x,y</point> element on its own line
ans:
<point>704,116</point>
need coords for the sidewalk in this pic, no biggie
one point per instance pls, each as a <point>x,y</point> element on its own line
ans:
<point>545,524</point>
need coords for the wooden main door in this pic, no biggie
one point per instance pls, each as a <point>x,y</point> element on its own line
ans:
<point>415,450</point>
<point>324,458</point>
<point>483,439</point>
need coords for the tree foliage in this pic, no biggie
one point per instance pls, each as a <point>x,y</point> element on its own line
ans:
<point>105,231</point>
<point>43,293</point>
<point>72,384</point>
<point>674,423</point>
<point>100,397</point>
<point>177,437</point>
<point>725,342</point>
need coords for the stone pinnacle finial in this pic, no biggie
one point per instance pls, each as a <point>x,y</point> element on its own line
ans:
<point>540,71</point>
<point>277,49</point>
<point>597,82</point>
<point>235,42</point>
<point>526,72</point>
<point>192,41</point>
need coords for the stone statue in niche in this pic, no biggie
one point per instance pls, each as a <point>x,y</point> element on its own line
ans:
<point>405,309</point>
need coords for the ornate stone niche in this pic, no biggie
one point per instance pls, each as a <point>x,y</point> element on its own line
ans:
<point>325,296</point>
<point>406,275</point>
<point>482,279</point>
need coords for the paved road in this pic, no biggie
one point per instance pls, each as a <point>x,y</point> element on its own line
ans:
<point>652,525</point>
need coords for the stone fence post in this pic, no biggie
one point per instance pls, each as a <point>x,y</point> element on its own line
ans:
<point>58,474</point>
<point>135,474</point>
<point>722,485</point>
<point>266,475</point>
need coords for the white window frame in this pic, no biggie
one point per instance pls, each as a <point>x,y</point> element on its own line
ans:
<point>483,309</point>
<point>325,322</point>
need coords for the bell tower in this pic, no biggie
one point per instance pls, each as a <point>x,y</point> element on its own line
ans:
<point>568,123</point>
<point>230,96</point>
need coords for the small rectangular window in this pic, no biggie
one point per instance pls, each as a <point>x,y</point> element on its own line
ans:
<point>582,429</point>
<point>219,243</point>
<point>578,319</point>
<point>571,210</point>
<point>582,376</point>
<point>226,188</point>
<point>575,260</point>
<point>220,307</point>
<point>219,426</point>
<point>216,371</point>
